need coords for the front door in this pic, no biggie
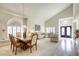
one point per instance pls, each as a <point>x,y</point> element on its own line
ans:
<point>65,31</point>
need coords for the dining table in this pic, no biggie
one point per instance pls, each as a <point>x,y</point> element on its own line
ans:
<point>24,42</point>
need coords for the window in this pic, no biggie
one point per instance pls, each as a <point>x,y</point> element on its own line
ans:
<point>18,29</point>
<point>50,29</point>
<point>9,29</point>
<point>13,30</point>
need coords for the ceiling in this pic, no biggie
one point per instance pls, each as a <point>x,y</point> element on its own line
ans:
<point>37,11</point>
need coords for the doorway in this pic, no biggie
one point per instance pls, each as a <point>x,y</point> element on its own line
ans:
<point>66,28</point>
<point>66,31</point>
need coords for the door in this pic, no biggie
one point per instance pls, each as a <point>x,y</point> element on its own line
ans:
<point>65,31</point>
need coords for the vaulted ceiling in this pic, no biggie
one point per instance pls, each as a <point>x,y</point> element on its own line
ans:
<point>37,11</point>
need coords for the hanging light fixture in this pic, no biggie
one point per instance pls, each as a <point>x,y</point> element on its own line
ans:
<point>23,10</point>
<point>24,18</point>
<point>24,23</point>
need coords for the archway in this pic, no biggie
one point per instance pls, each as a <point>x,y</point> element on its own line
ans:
<point>14,27</point>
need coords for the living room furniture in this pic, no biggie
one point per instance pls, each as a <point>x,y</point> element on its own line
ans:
<point>18,34</point>
<point>10,37</point>
<point>41,35</point>
<point>34,37</point>
<point>53,37</point>
<point>24,42</point>
<point>76,34</point>
<point>14,44</point>
<point>29,42</point>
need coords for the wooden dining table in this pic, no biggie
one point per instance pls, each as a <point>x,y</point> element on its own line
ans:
<point>24,42</point>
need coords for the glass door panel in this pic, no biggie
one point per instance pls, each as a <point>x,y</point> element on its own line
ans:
<point>65,31</point>
<point>68,31</point>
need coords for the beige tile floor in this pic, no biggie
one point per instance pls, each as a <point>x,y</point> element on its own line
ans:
<point>64,47</point>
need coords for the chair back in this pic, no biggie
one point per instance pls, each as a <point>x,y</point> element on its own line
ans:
<point>77,33</point>
<point>34,38</point>
<point>12,40</point>
<point>18,34</point>
<point>10,37</point>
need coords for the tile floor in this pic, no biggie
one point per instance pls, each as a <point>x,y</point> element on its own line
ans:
<point>65,47</point>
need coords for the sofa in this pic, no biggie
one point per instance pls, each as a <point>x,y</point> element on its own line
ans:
<point>53,37</point>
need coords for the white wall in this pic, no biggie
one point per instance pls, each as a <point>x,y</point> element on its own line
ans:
<point>76,14</point>
<point>53,22</point>
<point>4,17</point>
<point>32,22</point>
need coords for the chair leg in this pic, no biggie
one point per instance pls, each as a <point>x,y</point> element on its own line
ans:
<point>36,46</point>
<point>75,41</point>
<point>11,45</point>
<point>30,49</point>
<point>16,51</point>
<point>13,48</point>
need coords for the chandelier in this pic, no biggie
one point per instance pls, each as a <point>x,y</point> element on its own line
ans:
<point>24,18</point>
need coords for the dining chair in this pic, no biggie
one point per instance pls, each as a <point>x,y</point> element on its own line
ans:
<point>76,35</point>
<point>14,43</point>
<point>10,37</point>
<point>34,37</point>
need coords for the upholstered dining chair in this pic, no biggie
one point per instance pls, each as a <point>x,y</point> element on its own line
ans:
<point>76,35</point>
<point>15,44</point>
<point>10,37</point>
<point>34,37</point>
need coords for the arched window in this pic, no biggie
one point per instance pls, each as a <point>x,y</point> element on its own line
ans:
<point>14,27</point>
<point>15,30</point>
